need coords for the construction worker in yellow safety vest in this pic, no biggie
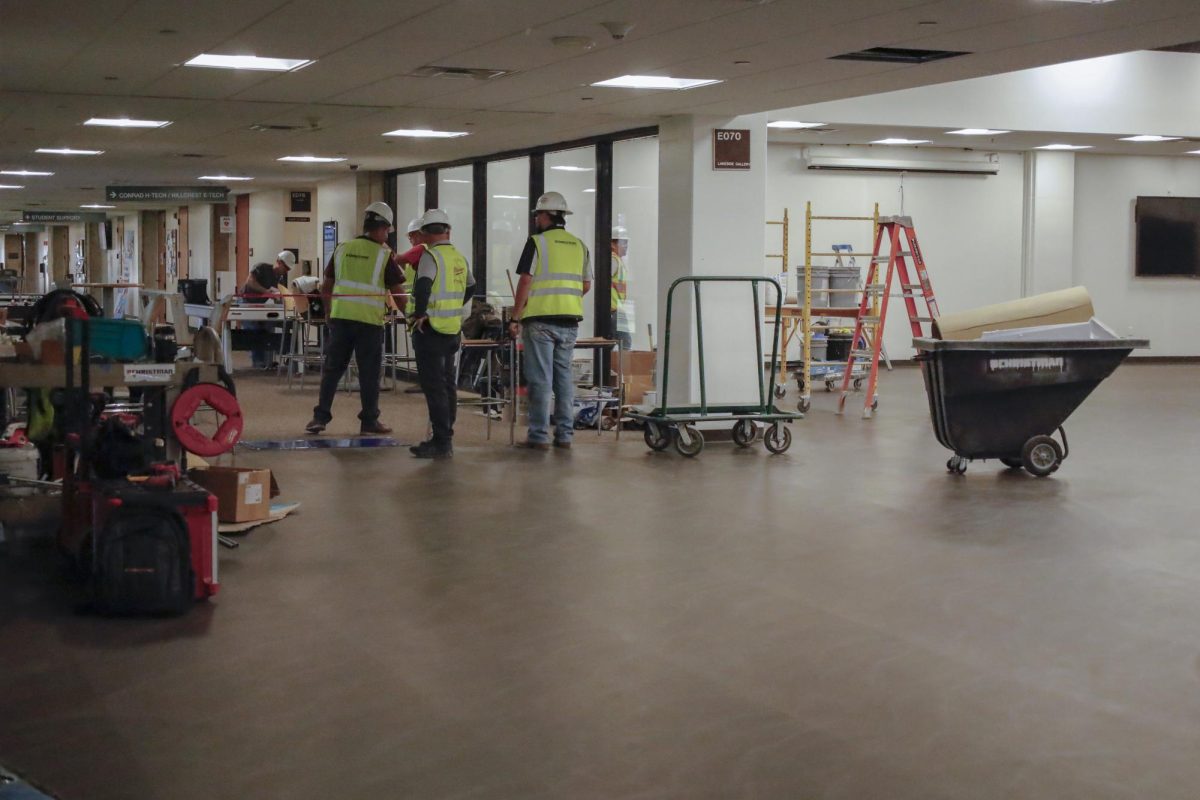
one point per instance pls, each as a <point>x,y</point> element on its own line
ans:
<point>555,273</point>
<point>621,306</point>
<point>409,261</point>
<point>443,285</point>
<point>358,278</point>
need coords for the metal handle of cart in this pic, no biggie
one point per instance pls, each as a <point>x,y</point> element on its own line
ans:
<point>764,392</point>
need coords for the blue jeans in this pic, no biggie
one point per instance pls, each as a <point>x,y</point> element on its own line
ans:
<point>547,359</point>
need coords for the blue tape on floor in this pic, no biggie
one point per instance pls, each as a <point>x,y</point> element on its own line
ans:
<point>13,788</point>
<point>320,444</point>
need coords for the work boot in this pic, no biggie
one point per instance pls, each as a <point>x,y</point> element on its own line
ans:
<point>528,445</point>
<point>563,444</point>
<point>373,428</point>
<point>315,426</point>
<point>431,449</point>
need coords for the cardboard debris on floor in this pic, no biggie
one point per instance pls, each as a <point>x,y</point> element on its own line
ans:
<point>243,493</point>
<point>278,512</point>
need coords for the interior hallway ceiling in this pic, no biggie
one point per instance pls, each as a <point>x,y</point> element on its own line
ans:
<point>64,61</point>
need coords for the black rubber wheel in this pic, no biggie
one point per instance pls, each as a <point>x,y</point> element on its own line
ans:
<point>688,441</point>
<point>1012,463</point>
<point>777,438</point>
<point>780,391</point>
<point>1040,456</point>
<point>875,404</point>
<point>857,384</point>
<point>957,465</point>
<point>829,386</point>
<point>804,405</point>
<point>744,432</point>
<point>657,436</point>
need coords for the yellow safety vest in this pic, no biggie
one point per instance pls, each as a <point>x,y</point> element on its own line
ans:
<point>620,287</point>
<point>446,297</point>
<point>358,290</point>
<point>557,273</point>
<point>410,285</point>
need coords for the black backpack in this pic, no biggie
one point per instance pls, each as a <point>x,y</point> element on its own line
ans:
<point>142,563</point>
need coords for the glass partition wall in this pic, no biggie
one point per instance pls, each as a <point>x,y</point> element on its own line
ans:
<point>507,225</point>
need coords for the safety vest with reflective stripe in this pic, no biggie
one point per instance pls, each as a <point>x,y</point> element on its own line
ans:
<point>558,273</point>
<point>358,290</point>
<point>410,285</point>
<point>446,296</point>
<point>620,287</point>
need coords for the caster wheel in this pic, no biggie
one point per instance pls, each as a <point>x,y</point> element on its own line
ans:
<point>857,384</point>
<point>608,423</point>
<point>804,405</point>
<point>744,432</point>
<point>780,391</point>
<point>829,386</point>
<point>778,438</point>
<point>688,441</point>
<point>957,465</point>
<point>875,404</point>
<point>1012,463</point>
<point>1041,456</point>
<point>657,436</point>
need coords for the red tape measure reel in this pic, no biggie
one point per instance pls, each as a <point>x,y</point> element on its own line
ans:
<point>220,400</point>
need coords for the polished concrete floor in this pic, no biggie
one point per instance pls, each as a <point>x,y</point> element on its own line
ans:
<point>844,621</point>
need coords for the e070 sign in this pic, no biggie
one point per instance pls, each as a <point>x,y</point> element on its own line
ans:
<point>731,148</point>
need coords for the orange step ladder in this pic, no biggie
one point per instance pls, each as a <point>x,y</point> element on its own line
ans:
<point>899,233</point>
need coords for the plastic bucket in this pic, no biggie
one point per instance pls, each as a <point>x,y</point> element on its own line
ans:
<point>843,286</point>
<point>838,347</point>
<point>820,287</point>
<point>818,348</point>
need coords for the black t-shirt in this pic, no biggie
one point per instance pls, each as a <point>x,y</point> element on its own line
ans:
<point>264,276</point>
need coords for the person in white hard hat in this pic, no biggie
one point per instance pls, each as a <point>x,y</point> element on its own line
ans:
<point>263,285</point>
<point>620,305</point>
<point>408,261</point>
<point>443,286</point>
<point>556,272</point>
<point>359,276</point>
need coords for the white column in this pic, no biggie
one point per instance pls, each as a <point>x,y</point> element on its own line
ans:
<point>1049,222</point>
<point>711,222</point>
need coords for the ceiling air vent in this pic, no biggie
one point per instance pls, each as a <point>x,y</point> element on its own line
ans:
<point>459,72</point>
<point>899,55</point>
<point>193,155</point>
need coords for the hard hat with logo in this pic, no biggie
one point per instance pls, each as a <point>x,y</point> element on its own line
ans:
<point>435,216</point>
<point>414,225</point>
<point>379,210</point>
<point>619,233</point>
<point>287,257</point>
<point>553,202</point>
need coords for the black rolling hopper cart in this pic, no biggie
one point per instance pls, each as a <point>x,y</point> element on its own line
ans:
<point>1006,399</point>
<point>667,424</point>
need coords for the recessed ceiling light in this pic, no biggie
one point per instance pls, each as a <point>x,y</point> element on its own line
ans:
<point>249,62</point>
<point>1064,147</point>
<point>420,133</point>
<point>589,191</point>
<point>126,122</point>
<point>95,205</point>
<point>977,132</point>
<point>10,186</point>
<point>895,140</point>
<point>654,82</point>
<point>454,180</point>
<point>509,197</point>
<point>67,151</point>
<point>569,168</point>
<point>1148,137</point>
<point>792,125</point>
<point>312,159</point>
<point>1089,2</point>
<point>224,178</point>
<point>24,172</point>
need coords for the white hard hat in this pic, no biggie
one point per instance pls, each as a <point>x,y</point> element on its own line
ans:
<point>619,232</point>
<point>287,257</point>
<point>434,216</point>
<point>414,225</point>
<point>552,202</point>
<point>379,209</point>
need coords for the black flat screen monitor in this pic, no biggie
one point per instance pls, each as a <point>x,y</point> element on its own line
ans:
<point>1168,237</point>
<point>194,291</point>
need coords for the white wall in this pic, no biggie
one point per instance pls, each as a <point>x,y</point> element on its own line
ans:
<point>338,200</point>
<point>969,227</point>
<point>635,206</point>
<point>200,243</point>
<point>1160,309</point>
<point>266,225</point>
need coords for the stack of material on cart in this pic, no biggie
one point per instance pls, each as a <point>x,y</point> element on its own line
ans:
<point>1052,308</point>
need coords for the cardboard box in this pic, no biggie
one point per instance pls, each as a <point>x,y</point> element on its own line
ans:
<point>243,494</point>
<point>638,368</point>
